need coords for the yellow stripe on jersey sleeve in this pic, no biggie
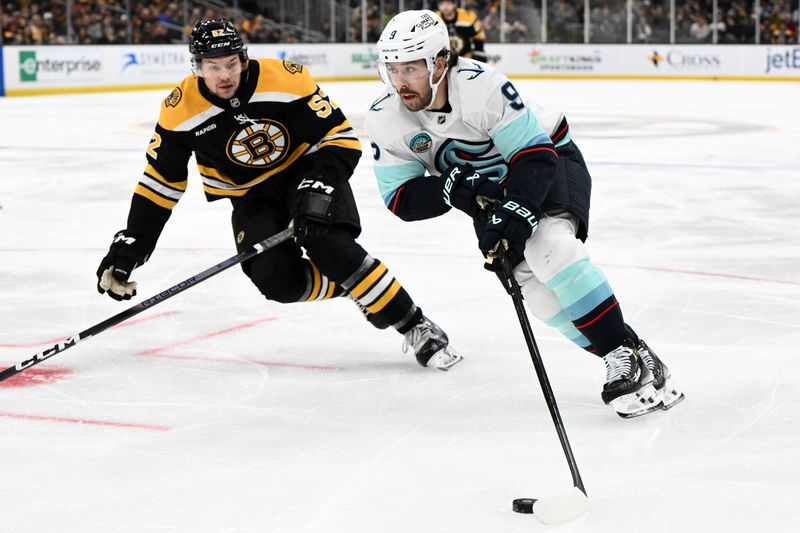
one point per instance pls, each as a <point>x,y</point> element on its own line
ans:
<point>352,144</point>
<point>156,198</point>
<point>151,171</point>
<point>341,127</point>
<point>223,192</point>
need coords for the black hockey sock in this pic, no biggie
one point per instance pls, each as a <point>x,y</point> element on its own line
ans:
<point>366,279</point>
<point>319,286</point>
<point>382,295</point>
<point>603,326</point>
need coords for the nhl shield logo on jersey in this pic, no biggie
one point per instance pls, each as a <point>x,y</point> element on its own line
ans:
<point>173,98</point>
<point>420,143</point>
<point>261,143</point>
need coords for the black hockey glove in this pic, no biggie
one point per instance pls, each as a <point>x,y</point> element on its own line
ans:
<point>462,185</point>
<point>312,214</point>
<point>126,253</point>
<point>510,226</point>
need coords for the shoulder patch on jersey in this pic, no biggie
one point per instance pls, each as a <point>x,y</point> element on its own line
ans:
<point>184,106</point>
<point>292,68</point>
<point>420,143</point>
<point>173,98</point>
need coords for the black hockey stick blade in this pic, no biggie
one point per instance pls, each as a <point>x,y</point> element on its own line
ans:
<point>242,256</point>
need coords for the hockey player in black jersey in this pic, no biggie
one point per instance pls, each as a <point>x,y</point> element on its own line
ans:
<point>466,31</point>
<point>268,139</point>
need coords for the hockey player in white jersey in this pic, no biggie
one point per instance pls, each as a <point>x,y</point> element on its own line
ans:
<point>451,130</point>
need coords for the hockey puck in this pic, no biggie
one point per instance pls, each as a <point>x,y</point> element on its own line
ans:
<point>523,505</point>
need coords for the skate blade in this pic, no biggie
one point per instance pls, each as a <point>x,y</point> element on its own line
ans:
<point>677,398</point>
<point>670,396</point>
<point>638,403</point>
<point>445,359</point>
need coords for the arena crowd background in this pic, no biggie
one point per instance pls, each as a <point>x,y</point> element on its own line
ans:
<point>38,22</point>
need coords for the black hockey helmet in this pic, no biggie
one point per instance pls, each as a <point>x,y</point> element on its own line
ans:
<point>215,38</point>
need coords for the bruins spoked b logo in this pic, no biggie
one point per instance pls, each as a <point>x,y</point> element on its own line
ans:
<point>260,143</point>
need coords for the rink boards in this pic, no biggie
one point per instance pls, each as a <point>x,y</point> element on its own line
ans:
<point>26,70</point>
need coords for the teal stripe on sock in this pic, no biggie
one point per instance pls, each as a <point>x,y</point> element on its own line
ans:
<point>565,326</point>
<point>575,282</point>
<point>589,302</point>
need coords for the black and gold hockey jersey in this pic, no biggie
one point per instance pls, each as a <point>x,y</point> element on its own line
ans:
<point>279,124</point>
<point>466,32</point>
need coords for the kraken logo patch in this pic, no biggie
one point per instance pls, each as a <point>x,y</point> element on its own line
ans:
<point>240,237</point>
<point>173,98</point>
<point>262,143</point>
<point>293,68</point>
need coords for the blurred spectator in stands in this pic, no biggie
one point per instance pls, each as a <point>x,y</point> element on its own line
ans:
<point>563,18</point>
<point>466,31</point>
<point>700,31</point>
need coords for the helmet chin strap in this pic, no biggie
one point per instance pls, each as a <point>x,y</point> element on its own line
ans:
<point>435,86</point>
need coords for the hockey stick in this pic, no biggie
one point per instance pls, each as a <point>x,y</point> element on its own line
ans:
<point>558,508</point>
<point>242,256</point>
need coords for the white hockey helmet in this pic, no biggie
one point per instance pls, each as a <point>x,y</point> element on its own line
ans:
<point>414,35</point>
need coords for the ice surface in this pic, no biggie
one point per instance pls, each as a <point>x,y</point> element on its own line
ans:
<point>219,411</point>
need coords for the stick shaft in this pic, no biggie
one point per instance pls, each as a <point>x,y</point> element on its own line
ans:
<point>538,364</point>
<point>242,256</point>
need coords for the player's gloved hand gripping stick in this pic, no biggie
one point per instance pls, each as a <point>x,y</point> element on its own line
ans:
<point>242,256</point>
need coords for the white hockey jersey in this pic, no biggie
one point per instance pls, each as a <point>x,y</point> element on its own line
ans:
<point>488,124</point>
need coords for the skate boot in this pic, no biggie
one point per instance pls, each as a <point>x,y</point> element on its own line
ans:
<point>430,345</point>
<point>629,384</point>
<point>662,379</point>
<point>373,319</point>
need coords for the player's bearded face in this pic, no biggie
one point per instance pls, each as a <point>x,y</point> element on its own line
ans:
<point>222,75</point>
<point>411,81</point>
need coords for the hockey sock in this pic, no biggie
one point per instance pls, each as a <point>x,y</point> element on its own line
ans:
<point>565,326</point>
<point>589,303</point>
<point>320,287</point>
<point>367,280</point>
<point>382,295</point>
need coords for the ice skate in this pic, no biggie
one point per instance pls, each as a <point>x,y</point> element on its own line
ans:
<point>629,384</point>
<point>431,345</point>
<point>372,318</point>
<point>662,379</point>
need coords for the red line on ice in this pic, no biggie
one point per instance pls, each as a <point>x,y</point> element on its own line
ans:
<point>58,339</point>
<point>84,421</point>
<point>698,273</point>
<point>190,340</point>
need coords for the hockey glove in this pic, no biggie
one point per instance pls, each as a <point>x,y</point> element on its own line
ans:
<point>125,254</point>
<point>312,214</point>
<point>462,186</point>
<point>510,226</point>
